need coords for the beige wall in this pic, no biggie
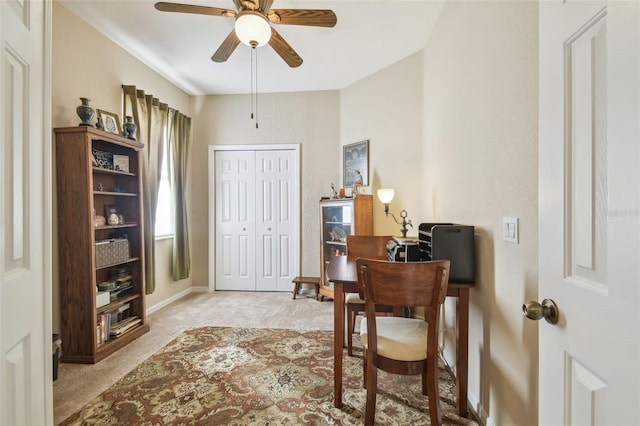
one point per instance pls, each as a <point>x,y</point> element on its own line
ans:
<point>87,64</point>
<point>310,119</point>
<point>480,164</point>
<point>386,108</point>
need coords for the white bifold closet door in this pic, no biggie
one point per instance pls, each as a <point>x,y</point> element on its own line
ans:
<point>257,219</point>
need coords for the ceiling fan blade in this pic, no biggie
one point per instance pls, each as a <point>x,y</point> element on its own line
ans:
<point>265,5</point>
<point>283,49</point>
<point>191,8</point>
<point>310,17</point>
<point>226,48</point>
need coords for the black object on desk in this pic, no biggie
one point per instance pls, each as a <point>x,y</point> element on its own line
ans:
<point>451,241</point>
<point>403,249</point>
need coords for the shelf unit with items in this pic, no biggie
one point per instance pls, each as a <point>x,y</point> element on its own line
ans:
<point>339,218</point>
<point>100,242</point>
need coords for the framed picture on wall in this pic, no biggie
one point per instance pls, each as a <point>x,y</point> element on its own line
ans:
<point>355,163</point>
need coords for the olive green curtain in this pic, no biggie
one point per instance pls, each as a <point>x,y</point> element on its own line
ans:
<point>179,139</point>
<point>151,117</point>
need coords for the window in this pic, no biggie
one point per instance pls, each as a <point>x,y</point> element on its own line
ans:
<point>164,212</point>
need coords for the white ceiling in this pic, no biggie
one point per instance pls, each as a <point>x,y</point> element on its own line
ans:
<point>369,36</point>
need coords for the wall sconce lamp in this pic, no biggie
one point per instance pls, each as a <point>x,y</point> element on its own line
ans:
<point>385,196</point>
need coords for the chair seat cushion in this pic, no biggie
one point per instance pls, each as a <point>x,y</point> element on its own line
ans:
<point>353,298</point>
<point>403,339</point>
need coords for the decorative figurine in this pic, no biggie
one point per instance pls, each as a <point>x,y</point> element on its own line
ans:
<point>357,184</point>
<point>113,219</point>
<point>100,187</point>
<point>99,123</point>
<point>334,194</point>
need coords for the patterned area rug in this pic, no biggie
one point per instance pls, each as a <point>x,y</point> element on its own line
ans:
<point>251,376</point>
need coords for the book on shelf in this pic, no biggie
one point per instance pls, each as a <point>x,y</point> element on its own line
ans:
<point>99,336</point>
<point>103,328</point>
<point>123,326</point>
<point>119,313</point>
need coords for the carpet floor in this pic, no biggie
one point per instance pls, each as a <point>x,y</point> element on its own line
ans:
<point>256,376</point>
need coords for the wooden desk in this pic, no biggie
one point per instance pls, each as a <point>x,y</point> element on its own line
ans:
<point>344,276</point>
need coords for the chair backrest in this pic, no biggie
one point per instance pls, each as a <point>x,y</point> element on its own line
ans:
<point>404,283</point>
<point>367,246</point>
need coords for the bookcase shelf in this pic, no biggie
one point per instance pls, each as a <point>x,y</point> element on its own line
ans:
<point>84,191</point>
<point>101,170</point>
<point>124,225</point>
<point>113,305</point>
<point>111,265</point>
<point>117,194</point>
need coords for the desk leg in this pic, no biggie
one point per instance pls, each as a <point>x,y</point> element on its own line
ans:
<point>462,350</point>
<point>338,343</point>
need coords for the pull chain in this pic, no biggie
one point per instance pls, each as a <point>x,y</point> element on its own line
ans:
<point>256,88</point>
<point>252,50</point>
<point>254,83</point>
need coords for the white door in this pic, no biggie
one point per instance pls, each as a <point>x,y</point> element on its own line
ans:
<point>589,212</point>
<point>235,220</point>
<point>277,221</point>
<point>25,235</point>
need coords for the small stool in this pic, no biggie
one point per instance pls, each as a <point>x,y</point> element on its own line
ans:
<point>305,280</point>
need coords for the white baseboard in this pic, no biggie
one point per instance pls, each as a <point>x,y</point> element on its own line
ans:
<point>472,400</point>
<point>478,409</point>
<point>178,296</point>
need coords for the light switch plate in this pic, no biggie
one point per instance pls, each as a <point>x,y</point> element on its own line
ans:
<point>510,229</point>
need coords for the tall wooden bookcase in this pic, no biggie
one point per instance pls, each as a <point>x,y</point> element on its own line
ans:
<point>87,184</point>
<point>339,218</point>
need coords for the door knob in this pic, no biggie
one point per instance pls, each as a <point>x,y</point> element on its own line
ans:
<point>536,311</point>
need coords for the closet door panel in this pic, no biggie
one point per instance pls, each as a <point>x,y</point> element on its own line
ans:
<point>266,223</point>
<point>235,220</point>
<point>288,218</point>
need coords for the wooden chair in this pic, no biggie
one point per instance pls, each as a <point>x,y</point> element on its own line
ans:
<point>402,345</point>
<point>369,247</point>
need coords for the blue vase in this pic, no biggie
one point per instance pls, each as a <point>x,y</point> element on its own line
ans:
<point>85,112</point>
<point>129,128</point>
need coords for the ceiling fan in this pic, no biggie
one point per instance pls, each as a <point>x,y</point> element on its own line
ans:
<point>253,20</point>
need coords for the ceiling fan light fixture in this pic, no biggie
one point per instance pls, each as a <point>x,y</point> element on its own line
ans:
<point>252,28</point>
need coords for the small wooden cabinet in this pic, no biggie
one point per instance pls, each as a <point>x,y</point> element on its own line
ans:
<point>339,218</point>
<point>98,173</point>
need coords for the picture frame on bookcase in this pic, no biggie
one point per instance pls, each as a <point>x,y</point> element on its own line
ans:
<point>110,209</point>
<point>121,163</point>
<point>110,121</point>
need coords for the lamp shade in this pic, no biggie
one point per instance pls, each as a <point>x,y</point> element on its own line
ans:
<point>385,195</point>
<point>252,28</point>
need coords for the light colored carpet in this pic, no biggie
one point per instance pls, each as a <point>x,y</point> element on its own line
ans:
<point>78,384</point>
